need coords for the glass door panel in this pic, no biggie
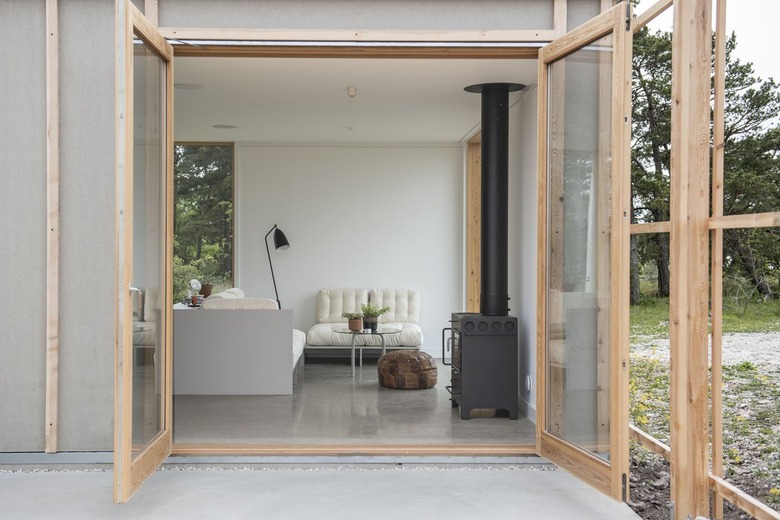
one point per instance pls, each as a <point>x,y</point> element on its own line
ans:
<point>144,229</point>
<point>584,136</point>
<point>578,250</point>
<point>148,266</point>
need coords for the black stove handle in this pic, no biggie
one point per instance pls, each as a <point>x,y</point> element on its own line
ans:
<point>444,343</point>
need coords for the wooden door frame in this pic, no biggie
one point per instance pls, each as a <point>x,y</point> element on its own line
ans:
<point>481,49</point>
<point>610,478</point>
<point>131,471</point>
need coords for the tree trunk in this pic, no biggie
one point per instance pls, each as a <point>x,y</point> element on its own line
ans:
<point>748,262</point>
<point>662,263</point>
<point>634,270</point>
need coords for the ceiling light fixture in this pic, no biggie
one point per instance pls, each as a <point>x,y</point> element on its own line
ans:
<point>223,127</point>
<point>351,93</point>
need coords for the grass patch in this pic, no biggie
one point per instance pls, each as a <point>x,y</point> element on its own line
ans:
<point>650,318</point>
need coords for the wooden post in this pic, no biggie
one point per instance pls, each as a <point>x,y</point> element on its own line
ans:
<point>52,227</point>
<point>716,272</point>
<point>151,11</point>
<point>689,241</point>
<point>473,220</point>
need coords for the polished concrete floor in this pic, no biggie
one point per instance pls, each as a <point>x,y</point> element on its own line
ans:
<point>329,407</point>
<point>326,407</point>
<point>338,493</point>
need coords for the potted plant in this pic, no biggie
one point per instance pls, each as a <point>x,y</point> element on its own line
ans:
<point>371,315</point>
<point>355,321</point>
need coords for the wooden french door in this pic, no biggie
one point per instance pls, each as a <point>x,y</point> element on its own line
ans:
<point>143,418</point>
<point>583,258</point>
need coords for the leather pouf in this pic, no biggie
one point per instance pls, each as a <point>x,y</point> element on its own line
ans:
<point>407,370</point>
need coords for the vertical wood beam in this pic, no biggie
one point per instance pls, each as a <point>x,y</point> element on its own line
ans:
<point>559,18</point>
<point>473,222</point>
<point>151,11</point>
<point>716,276</point>
<point>689,241</point>
<point>52,228</point>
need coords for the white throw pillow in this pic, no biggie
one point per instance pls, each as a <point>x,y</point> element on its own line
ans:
<point>240,303</point>
<point>234,292</point>
<point>151,304</point>
<point>404,305</point>
<point>331,303</point>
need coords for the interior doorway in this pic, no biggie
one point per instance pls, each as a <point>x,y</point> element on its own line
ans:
<point>358,403</point>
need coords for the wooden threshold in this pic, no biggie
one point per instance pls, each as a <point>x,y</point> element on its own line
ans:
<point>294,450</point>
<point>185,49</point>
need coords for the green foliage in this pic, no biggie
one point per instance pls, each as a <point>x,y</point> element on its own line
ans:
<point>203,269</point>
<point>182,274</point>
<point>372,311</point>
<point>649,396</point>
<point>752,160</point>
<point>203,215</point>
<point>351,315</point>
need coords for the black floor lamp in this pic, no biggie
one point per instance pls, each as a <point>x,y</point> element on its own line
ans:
<point>280,244</point>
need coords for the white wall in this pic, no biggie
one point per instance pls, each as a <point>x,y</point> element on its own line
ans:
<point>522,237</point>
<point>355,216</point>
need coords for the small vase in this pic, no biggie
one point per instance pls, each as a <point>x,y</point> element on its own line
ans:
<point>371,323</point>
<point>356,325</point>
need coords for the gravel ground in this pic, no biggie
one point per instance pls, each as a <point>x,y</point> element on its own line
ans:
<point>650,478</point>
<point>760,348</point>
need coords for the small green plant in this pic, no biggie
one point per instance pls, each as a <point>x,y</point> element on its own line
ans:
<point>351,315</point>
<point>372,311</point>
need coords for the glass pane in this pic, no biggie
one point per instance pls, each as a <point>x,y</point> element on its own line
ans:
<point>148,281</point>
<point>578,400</point>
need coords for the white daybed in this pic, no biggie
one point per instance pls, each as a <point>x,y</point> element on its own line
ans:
<point>404,314</point>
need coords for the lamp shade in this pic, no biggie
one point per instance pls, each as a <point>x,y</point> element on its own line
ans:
<point>280,240</point>
<point>280,244</point>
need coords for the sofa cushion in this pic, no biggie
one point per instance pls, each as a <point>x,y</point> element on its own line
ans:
<point>410,336</point>
<point>151,304</point>
<point>144,334</point>
<point>233,292</point>
<point>240,303</point>
<point>298,342</point>
<point>331,303</point>
<point>324,334</point>
<point>404,305</point>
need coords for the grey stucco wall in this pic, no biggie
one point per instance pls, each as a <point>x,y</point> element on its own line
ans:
<point>87,293</point>
<point>22,224</point>
<point>359,14</point>
<point>87,90</point>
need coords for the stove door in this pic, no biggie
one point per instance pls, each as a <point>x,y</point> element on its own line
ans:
<point>582,374</point>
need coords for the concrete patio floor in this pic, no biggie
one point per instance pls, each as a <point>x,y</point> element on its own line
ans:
<point>318,492</point>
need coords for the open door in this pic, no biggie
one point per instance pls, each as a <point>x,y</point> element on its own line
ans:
<point>583,253</point>
<point>142,416</point>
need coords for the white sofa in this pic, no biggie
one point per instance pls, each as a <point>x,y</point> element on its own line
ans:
<point>404,314</point>
<point>234,345</point>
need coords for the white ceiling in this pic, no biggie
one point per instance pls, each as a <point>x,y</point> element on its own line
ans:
<point>305,99</point>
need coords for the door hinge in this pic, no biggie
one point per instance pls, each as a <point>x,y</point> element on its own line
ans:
<point>625,487</point>
<point>628,16</point>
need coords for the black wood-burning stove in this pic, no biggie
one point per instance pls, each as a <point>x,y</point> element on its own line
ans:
<point>484,363</point>
<point>485,344</point>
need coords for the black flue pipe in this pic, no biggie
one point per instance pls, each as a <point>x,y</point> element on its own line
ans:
<point>494,227</point>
